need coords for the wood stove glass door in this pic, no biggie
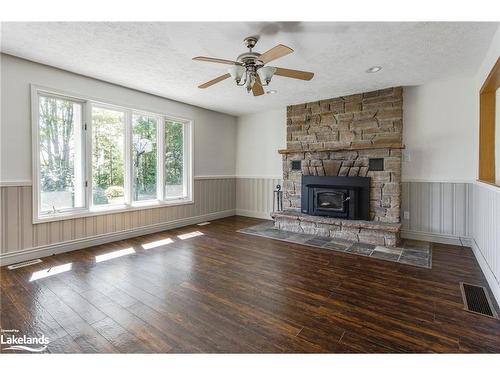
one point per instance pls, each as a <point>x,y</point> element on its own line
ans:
<point>331,201</point>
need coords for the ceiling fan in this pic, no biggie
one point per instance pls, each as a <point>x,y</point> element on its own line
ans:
<point>250,70</point>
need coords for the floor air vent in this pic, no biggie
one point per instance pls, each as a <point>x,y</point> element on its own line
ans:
<point>24,264</point>
<point>476,300</point>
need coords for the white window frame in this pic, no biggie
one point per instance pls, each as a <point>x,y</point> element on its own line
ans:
<point>187,157</point>
<point>130,205</point>
<point>37,209</point>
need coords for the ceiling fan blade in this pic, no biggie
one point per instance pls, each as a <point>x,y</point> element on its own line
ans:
<point>275,53</point>
<point>215,60</point>
<point>257,88</point>
<point>297,74</point>
<point>214,81</point>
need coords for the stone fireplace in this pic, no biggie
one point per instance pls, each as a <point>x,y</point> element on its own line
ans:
<point>357,138</point>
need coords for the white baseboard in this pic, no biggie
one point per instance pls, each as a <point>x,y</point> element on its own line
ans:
<point>62,247</point>
<point>256,214</point>
<point>487,272</point>
<point>448,239</point>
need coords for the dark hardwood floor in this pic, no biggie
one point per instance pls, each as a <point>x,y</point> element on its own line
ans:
<point>223,291</point>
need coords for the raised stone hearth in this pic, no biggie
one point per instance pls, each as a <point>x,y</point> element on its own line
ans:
<point>371,232</point>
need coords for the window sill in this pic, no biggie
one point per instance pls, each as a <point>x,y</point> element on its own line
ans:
<point>115,209</point>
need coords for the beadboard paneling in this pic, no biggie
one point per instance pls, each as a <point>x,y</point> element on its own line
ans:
<point>486,232</point>
<point>18,232</point>
<point>254,196</point>
<point>437,209</point>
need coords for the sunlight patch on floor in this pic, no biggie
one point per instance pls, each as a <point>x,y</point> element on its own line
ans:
<point>185,236</point>
<point>51,271</point>
<point>151,245</point>
<point>114,254</point>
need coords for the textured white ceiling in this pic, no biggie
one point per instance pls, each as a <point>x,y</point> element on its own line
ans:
<point>156,57</point>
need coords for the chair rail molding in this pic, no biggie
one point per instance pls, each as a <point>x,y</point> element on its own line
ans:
<point>15,183</point>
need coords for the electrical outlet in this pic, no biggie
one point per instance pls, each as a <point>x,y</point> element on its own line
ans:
<point>406,215</point>
<point>406,156</point>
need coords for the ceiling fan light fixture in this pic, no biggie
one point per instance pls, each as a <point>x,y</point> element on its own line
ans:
<point>266,74</point>
<point>237,72</point>
<point>248,69</point>
<point>374,69</point>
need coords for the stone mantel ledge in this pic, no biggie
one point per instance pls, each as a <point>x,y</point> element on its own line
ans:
<point>351,147</point>
<point>354,224</point>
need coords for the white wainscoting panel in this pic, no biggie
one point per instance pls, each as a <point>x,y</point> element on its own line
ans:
<point>254,196</point>
<point>486,233</point>
<point>212,198</point>
<point>438,211</point>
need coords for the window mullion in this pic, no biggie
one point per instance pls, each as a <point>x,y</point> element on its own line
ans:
<point>160,162</point>
<point>128,178</point>
<point>185,161</point>
<point>36,189</point>
<point>88,156</point>
<point>83,156</point>
<point>188,152</point>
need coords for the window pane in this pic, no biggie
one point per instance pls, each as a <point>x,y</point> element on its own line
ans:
<point>144,157</point>
<point>60,137</point>
<point>107,156</point>
<point>174,160</point>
